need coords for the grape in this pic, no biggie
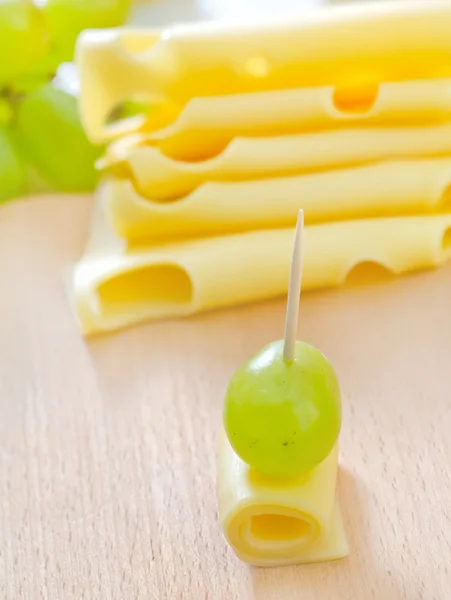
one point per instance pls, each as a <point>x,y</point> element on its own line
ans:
<point>24,85</point>
<point>67,18</point>
<point>6,111</point>
<point>35,183</point>
<point>13,171</point>
<point>53,139</point>
<point>283,418</point>
<point>23,38</point>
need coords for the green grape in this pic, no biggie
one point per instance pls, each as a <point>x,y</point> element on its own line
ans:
<point>53,139</point>
<point>13,171</point>
<point>29,83</point>
<point>283,418</point>
<point>67,18</point>
<point>23,38</point>
<point>6,111</point>
<point>36,184</point>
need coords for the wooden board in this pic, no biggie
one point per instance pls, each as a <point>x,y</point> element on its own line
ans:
<point>108,448</point>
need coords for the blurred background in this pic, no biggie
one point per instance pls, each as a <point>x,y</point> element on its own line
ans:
<point>164,11</point>
<point>42,143</point>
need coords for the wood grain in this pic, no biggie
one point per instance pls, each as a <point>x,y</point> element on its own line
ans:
<point>108,448</point>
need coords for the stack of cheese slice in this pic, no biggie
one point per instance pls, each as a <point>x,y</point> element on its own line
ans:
<point>344,112</point>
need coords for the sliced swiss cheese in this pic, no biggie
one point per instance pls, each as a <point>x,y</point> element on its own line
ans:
<point>373,190</point>
<point>341,46</point>
<point>160,177</point>
<point>113,286</point>
<point>207,124</point>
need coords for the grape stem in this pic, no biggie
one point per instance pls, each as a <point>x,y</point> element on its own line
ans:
<point>294,292</point>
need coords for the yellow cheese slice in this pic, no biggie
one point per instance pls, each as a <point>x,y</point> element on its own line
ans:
<point>272,522</point>
<point>373,190</point>
<point>160,177</point>
<point>206,125</point>
<point>114,287</point>
<point>342,46</point>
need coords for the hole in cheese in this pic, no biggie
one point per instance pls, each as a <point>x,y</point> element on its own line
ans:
<point>156,284</point>
<point>201,147</point>
<point>445,200</point>
<point>368,272</point>
<point>273,527</point>
<point>355,99</point>
<point>446,241</point>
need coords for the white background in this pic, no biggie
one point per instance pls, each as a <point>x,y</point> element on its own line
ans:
<point>159,12</point>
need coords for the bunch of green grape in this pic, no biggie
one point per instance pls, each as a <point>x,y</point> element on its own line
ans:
<point>42,143</point>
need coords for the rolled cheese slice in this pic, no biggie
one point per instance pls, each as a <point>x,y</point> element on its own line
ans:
<point>161,178</point>
<point>270,522</point>
<point>373,190</point>
<point>340,46</point>
<point>113,287</point>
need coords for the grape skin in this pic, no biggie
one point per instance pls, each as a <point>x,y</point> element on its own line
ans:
<point>44,135</point>
<point>283,418</point>
<point>53,140</point>
<point>13,171</point>
<point>67,18</point>
<point>24,38</point>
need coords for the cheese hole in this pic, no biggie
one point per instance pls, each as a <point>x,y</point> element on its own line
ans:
<point>279,528</point>
<point>157,285</point>
<point>188,149</point>
<point>446,241</point>
<point>445,200</point>
<point>367,272</point>
<point>355,99</point>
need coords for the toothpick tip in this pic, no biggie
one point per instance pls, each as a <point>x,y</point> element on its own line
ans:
<point>294,291</point>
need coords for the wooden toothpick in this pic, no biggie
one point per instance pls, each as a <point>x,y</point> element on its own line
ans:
<point>294,292</point>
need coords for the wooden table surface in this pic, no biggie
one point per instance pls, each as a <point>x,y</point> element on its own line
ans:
<point>107,462</point>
